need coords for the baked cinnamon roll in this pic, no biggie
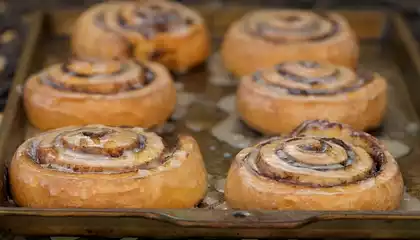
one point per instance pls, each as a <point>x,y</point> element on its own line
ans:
<point>96,166</point>
<point>166,32</point>
<point>111,92</point>
<point>320,166</point>
<point>266,37</point>
<point>277,99</point>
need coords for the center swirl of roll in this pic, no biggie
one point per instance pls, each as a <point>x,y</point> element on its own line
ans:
<point>148,18</point>
<point>98,149</point>
<point>317,153</point>
<point>99,77</point>
<point>311,78</point>
<point>312,161</point>
<point>290,26</point>
<point>90,68</point>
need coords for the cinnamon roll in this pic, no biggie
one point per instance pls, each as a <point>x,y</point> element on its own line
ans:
<point>263,38</point>
<point>319,166</point>
<point>277,99</point>
<point>106,92</point>
<point>166,32</point>
<point>97,166</point>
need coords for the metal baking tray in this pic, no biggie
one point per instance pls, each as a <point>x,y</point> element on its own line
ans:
<point>205,110</point>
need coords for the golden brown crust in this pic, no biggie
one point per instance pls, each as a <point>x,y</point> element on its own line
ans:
<point>266,37</point>
<point>275,102</point>
<point>54,98</point>
<point>330,168</point>
<point>178,182</point>
<point>161,31</point>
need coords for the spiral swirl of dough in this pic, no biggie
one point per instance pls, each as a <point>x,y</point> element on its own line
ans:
<point>290,26</point>
<point>311,78</point>
<point>99,149</point>
<point>146,20</point>
<point>317,161</point>
<point>97,77</point>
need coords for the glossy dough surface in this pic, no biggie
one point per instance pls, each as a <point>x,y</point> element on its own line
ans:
<point>166,32</point>
<point>277,99</point>
<point>320,166</point>
<point>104,167</point>
<point>108,92</point>
<point>264,38</point>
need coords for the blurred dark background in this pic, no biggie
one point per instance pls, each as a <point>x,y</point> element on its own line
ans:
<point>408,5</point>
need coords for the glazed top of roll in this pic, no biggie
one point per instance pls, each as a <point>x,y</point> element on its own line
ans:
<point>292,26</point>
<point>101,149</point>
<point>320,154</point>
<point>145,19</point>
<point>309,78</point>
<point>102,77</point>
